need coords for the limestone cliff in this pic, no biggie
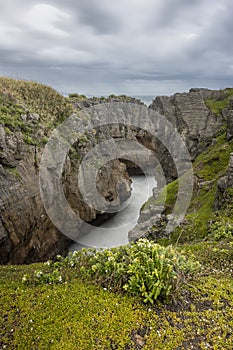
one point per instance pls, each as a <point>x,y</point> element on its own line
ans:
<point>29,113</point>
<point>204,118</point>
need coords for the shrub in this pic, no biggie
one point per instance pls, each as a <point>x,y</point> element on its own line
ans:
<point>143,269</point>
<point>221,230</point>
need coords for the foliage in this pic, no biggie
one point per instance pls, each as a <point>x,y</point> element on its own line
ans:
<point>221,230</point>
<point>76,314</point>
<point>20,99</point>
<point>156,270</point>
<point>143,269</point>
<point>208,167</point>
<point>212,163</point>
<point>75,96</point>
<point>217,105</point>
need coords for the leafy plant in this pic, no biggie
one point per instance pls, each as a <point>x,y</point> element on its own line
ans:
<point>143,269</point>
<point>220,230</point>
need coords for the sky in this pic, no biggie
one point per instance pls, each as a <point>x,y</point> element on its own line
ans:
<point>133,47</point>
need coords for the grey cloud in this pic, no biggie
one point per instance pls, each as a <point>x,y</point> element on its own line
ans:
<point>90,13</point>
<point>132,47</point>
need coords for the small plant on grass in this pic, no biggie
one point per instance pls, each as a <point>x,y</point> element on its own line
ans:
<point>221,230</point>
<point>143,269</point>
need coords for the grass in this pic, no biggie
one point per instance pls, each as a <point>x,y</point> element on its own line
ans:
<point>217,105</point>
<point>210,164</point>
<point>80,315</point>
<point>208,167</point>
<point>20,99</point>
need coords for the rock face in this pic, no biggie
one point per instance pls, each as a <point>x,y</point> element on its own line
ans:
<point>26,233</point>
<point>224,194</point>
<point>198,126</point>
<point>228,115</point>
<point>188,113</point>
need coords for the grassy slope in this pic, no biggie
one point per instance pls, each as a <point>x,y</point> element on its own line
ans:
<point>81,315</point>
<point>208,167</point>
<point>20,97</point>
<point>216,106</point>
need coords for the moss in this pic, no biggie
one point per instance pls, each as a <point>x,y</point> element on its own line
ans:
<point>209,166</point>
<point>166,197</point>
<point>217,105</point>
<point>13,172</point>
<point>85,316</point>
<point>29,140</point>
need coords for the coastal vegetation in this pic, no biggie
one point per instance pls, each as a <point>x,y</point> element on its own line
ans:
<point>167,293</point>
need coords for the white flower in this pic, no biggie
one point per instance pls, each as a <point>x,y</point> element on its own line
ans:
<point>24,279</point>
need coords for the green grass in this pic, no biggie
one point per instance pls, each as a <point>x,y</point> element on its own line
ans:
<point>216,106</point>
<point>211,163</point>
<point>13,172</point>
<point>19,98</point>
<point>80,315</point>
<point>208,166</point>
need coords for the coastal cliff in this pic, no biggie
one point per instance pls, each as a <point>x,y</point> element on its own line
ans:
<point>204,118</point>
<point>29,114</point>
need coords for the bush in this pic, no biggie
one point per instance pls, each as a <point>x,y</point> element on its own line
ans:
<point>221,230</point>
<point>143,269</point>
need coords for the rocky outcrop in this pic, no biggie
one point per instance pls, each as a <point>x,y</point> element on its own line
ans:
<point>228,115</point>
<point>198,126</point>
<point>80,103</point>
<point>26,233</point>
<point>190,116</point>
<point>224,194</point>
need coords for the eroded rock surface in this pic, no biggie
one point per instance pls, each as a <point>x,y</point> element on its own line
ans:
<point>198,126</point>
<point>26,232</point>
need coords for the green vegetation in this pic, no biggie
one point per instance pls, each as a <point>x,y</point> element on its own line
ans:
<point>144,269</point>
<point>207,168</point>
<point>217,105</point>
<point>177,294</point>
<point>77,314</point>
<point>212,163</point>
<point>14,172</point>
<point>74,97</point>
<point>24,105</point>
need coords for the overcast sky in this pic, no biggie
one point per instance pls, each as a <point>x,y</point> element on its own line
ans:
<point>136,47</point>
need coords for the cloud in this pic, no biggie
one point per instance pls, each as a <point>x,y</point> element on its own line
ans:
<point>130,46</point>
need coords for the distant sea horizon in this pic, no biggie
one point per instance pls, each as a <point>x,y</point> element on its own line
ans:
<point>147,99</point>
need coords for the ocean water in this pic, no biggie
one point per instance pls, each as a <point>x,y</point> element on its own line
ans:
<point>114,231</point>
